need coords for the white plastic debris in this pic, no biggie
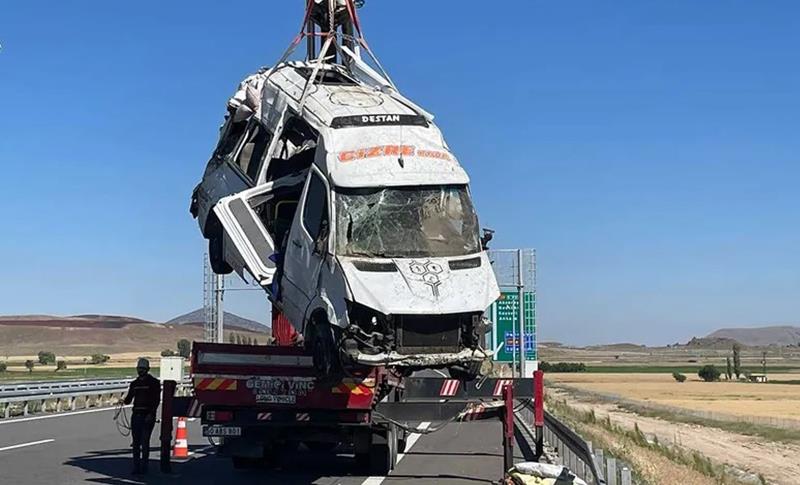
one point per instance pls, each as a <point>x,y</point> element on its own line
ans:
<point>531,472</point>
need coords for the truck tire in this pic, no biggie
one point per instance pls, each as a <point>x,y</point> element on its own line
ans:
<point>323,347</point>
<point>383,453</point>
<point>380,460</point>
<point>402,440</point>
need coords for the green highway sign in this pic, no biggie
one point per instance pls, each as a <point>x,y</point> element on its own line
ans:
<point>505,315</point>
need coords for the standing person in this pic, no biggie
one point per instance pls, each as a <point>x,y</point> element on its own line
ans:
<point>145,393</point>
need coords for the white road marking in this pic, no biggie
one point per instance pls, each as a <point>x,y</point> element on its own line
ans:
<point>58,415</point>
<point>410,440</point>
<point>23,445</point>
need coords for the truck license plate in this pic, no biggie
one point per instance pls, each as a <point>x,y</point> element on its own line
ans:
<point>216,430</point>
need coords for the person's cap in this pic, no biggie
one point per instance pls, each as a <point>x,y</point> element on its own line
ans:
<point>143,364</point>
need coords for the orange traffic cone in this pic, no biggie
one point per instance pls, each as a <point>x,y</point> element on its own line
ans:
<point>181,449</point>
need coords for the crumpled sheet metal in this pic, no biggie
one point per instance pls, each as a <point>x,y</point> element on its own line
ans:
<point>246,101</point>
<point>423,360</point>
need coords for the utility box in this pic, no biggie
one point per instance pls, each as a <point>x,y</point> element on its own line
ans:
<point>171,369</point>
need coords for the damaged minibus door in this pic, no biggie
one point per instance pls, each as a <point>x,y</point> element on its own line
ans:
<point>252,245</point>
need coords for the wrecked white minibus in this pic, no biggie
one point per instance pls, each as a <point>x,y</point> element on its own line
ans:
<point>341,198</point>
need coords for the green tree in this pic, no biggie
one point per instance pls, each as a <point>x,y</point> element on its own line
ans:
<point>255,341</point>
<point>709,373</point>
<point>184,348</point>
<point>231,338</point>
<point>29,365</point>
<point>61,365</point>
<point>562,366</point>
<point>238,339</point>
<point>167,353</point>
<point>249,340</point>
<point>728,368</point>
<point>3,366</point>
<point>737,361</point>
<point>46,358</point>
<point>678,376</point>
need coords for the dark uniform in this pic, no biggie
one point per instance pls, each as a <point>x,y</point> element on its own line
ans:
<point>145,393</point>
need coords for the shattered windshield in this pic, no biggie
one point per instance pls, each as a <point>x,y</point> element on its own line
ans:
<point>406,222</point>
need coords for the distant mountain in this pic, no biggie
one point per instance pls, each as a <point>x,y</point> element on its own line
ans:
<point>74,321</point>
<point>552,344</point>
<point>83,337</point>
<point>716,343</point>
<point>620,347</point>
<point>230,320</point>
<point>760,336</point>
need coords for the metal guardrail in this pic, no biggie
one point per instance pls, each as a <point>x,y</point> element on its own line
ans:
<point>25,398</point>
<point>24,405</point>
<point>576,454</point>
<point>60,387</point>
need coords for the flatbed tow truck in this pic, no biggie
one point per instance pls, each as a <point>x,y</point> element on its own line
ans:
<point>258,402</point>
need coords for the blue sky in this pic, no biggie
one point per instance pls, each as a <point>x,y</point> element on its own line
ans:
<point>648,150</point>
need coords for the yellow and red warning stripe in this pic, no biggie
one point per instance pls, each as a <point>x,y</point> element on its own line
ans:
<point>350,386</point>
<point>215,384</point>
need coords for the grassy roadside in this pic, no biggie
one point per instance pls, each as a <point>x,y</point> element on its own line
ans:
<point>740,427</point>
<point>652,462</point>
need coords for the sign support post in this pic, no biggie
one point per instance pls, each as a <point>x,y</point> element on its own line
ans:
<point>521,292</point>
<point>513,315</point>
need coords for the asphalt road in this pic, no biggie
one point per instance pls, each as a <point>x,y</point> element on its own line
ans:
<point>86,447</point>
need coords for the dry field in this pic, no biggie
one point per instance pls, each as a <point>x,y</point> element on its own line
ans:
<point>639,355</point>
<point>76,345</point>
<point>738,398</point>
<point>82,342</point>
<point>776,461</point>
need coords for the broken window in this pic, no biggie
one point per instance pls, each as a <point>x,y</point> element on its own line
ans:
<point>229,139</point>
<point>315,210</point>
<point>296,147</point>
<point>251,155</point>
<point>406,222</point>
